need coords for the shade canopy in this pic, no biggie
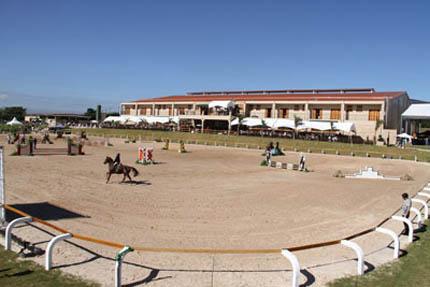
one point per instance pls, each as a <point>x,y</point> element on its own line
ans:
<point>221,104</point>
<point>14,122</point>
<point>417,112</point>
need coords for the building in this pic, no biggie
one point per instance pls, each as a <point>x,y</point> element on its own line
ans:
<point>416,119</point>
<point>57,119</point>
<point>367,108</point>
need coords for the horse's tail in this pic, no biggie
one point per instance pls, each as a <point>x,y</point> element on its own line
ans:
<point>135,171</point>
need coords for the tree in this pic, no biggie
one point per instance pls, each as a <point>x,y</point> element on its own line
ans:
<point>240,117</point>
<point>91,113</point>
<point>378,124</point>
<point>297,122</point>
<point>8,113</point>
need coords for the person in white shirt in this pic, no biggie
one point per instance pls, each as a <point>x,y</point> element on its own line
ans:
<point>406,210</point>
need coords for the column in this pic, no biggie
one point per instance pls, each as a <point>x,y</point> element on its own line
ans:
<point>274,113</point>
<point>306,117</point>
<point>342,111</point>
<point>173,110</point>
<point>153,110</point>
<point>135,110</point>
<point>203,125</point>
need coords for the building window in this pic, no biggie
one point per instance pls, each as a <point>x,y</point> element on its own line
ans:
<point>316,114</point>
<point>258,107</point>
<point>374,115</point>
<point>335,114</point>
<point>359,108</point>
<point>296,107</point>
<point>190,107</point>
<point>284,113</point>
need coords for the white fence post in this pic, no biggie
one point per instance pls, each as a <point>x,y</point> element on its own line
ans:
<point>10,226</point>
<point>118,264</point>
<point>419,216</point>
<point>51,244</point>
<point>425,194</point>
<point>409,223</point>
<point>426,208</point>
<point>295,264</point>
<point>396,241</point>
<point>2,191</point>
<point>359,252</point>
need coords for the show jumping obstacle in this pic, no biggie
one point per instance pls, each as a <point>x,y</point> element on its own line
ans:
<point>145,155</point>
<point>31,148</point>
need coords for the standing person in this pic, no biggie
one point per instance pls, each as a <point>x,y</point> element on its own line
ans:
<point>302,162</point>
<point>406,210</point>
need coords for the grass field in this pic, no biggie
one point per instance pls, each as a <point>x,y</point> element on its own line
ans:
<point>17,273</point>
<point>261,142</point>
<point>410,270</point>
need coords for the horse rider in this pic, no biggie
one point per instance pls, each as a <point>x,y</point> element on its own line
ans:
<point>117,163</point>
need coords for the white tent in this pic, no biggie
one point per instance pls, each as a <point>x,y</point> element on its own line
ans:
<point>417,112</point>
<point>270,122</point>
<point>157,119</point>
<point>174,120</point>
<point>111,119</point>
<point>348,127</point>
<point>249,122</point>
<point>14,122</point>
<point>284,123</point>
<point>253,122</point>
<point>221,104</point>
<point>319,126</point>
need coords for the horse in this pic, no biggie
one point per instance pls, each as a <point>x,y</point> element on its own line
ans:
<point>120,169</point>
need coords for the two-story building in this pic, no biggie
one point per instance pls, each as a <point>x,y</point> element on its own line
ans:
<point>366,108</point>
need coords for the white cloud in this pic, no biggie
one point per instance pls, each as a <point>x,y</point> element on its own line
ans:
<point>3,97</point>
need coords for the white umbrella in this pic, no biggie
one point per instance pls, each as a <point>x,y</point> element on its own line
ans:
<point>404,136</point>
<point>14,122</point>
<point>284,123</point>
<point>345,127</point>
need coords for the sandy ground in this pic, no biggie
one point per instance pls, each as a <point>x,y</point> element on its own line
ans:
<point>210,197</point>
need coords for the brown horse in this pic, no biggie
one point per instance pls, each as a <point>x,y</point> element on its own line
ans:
<point>121,169</point>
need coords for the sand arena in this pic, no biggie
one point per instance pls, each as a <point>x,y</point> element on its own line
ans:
<point>210,197</point>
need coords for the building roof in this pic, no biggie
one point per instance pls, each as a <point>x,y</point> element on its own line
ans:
<point>280,95</point>
<point>417,111</point>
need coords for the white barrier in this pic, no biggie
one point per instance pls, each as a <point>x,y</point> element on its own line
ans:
<point>396,241</point>
<point>118,264</point>
<point>8,232</point>
<point>426,208</point>
<point>294,264</point>
<point>425,194</point>
<point>51,244</point>
<point>359,252</point>
<point>418,215</point>
<point>409,223</point>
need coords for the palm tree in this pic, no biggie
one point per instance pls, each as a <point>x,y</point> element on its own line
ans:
<point>378,124</point>
<point>240,117</point>
<point>297,122</point>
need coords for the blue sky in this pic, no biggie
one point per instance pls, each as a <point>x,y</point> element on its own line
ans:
<point>68,55</point>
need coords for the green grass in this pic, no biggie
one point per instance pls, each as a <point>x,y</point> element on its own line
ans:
<point>17,273</point>
<point>261,142</point>
<point>410,270</point>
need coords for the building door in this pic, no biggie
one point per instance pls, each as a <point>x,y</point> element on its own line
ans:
<point>284,113</point>
<point>374,115</point>
<point>269,113</point>
<point>335,114</point>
